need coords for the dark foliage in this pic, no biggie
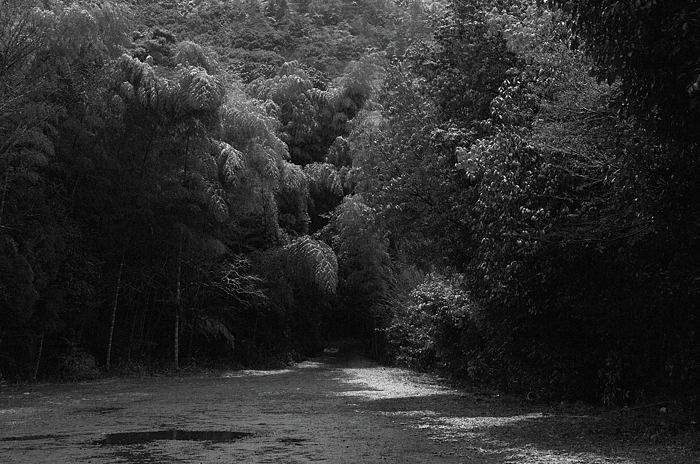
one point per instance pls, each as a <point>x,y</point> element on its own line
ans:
<point>444,182</point>
<point>652,48</point>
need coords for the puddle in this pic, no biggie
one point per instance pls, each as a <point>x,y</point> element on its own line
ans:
<point>100,410</point>
<point>137,438</point>
<point>33,437</point>
<point>291,441</point>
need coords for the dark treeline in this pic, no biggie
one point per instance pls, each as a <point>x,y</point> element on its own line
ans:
<point>502,189</point>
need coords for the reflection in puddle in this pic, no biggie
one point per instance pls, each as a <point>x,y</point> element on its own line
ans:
<point>137,438</point>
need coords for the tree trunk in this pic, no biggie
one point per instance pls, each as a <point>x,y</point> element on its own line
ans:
<point>4,193</point>
<point>375,344</point>
<point>178,301</point>
<point>72,195</point>
<point>192,324</point>
<point>38,357</point>
<point>187,150</point>
<point>131,334</point>
<point>254,338</point>
<point>114,312</point>
<point>144,316</point>
<point>176,345</point>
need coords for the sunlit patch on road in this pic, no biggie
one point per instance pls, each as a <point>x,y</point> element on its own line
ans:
<point>396,393</point>
<point>309,365</point>
<point>387,383</point>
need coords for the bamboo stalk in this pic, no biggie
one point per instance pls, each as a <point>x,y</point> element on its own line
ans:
<point>114,312</point>
<point>38,357</point>
<point>176,347</point>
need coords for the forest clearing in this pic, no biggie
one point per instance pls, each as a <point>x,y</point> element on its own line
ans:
<point>320,411</point>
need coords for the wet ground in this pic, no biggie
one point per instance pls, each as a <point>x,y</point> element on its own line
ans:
<point>318,411</point>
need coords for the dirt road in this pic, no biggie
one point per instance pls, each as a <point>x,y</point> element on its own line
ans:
<point>355,412</point>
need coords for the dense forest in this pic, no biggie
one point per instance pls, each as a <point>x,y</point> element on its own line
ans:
<point>504,190</point>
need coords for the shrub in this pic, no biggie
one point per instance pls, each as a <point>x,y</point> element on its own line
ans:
<point>79,365</point>
<point>436,328</point>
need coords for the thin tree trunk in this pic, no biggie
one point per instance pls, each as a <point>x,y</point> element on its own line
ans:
<point>144,317</point>
<point>2,337</point>
<point>375,345</point>
<point>178,301</point>
<point>176,351</point>
<point>72,194</point>
<point>187,152</point>
<point>38,357</point>
<point>131,334</point>
<point>114,312</point>
<point>253,344</point>
<point>147,152</point>
<point>192,324</point>
<point>4,193</point>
